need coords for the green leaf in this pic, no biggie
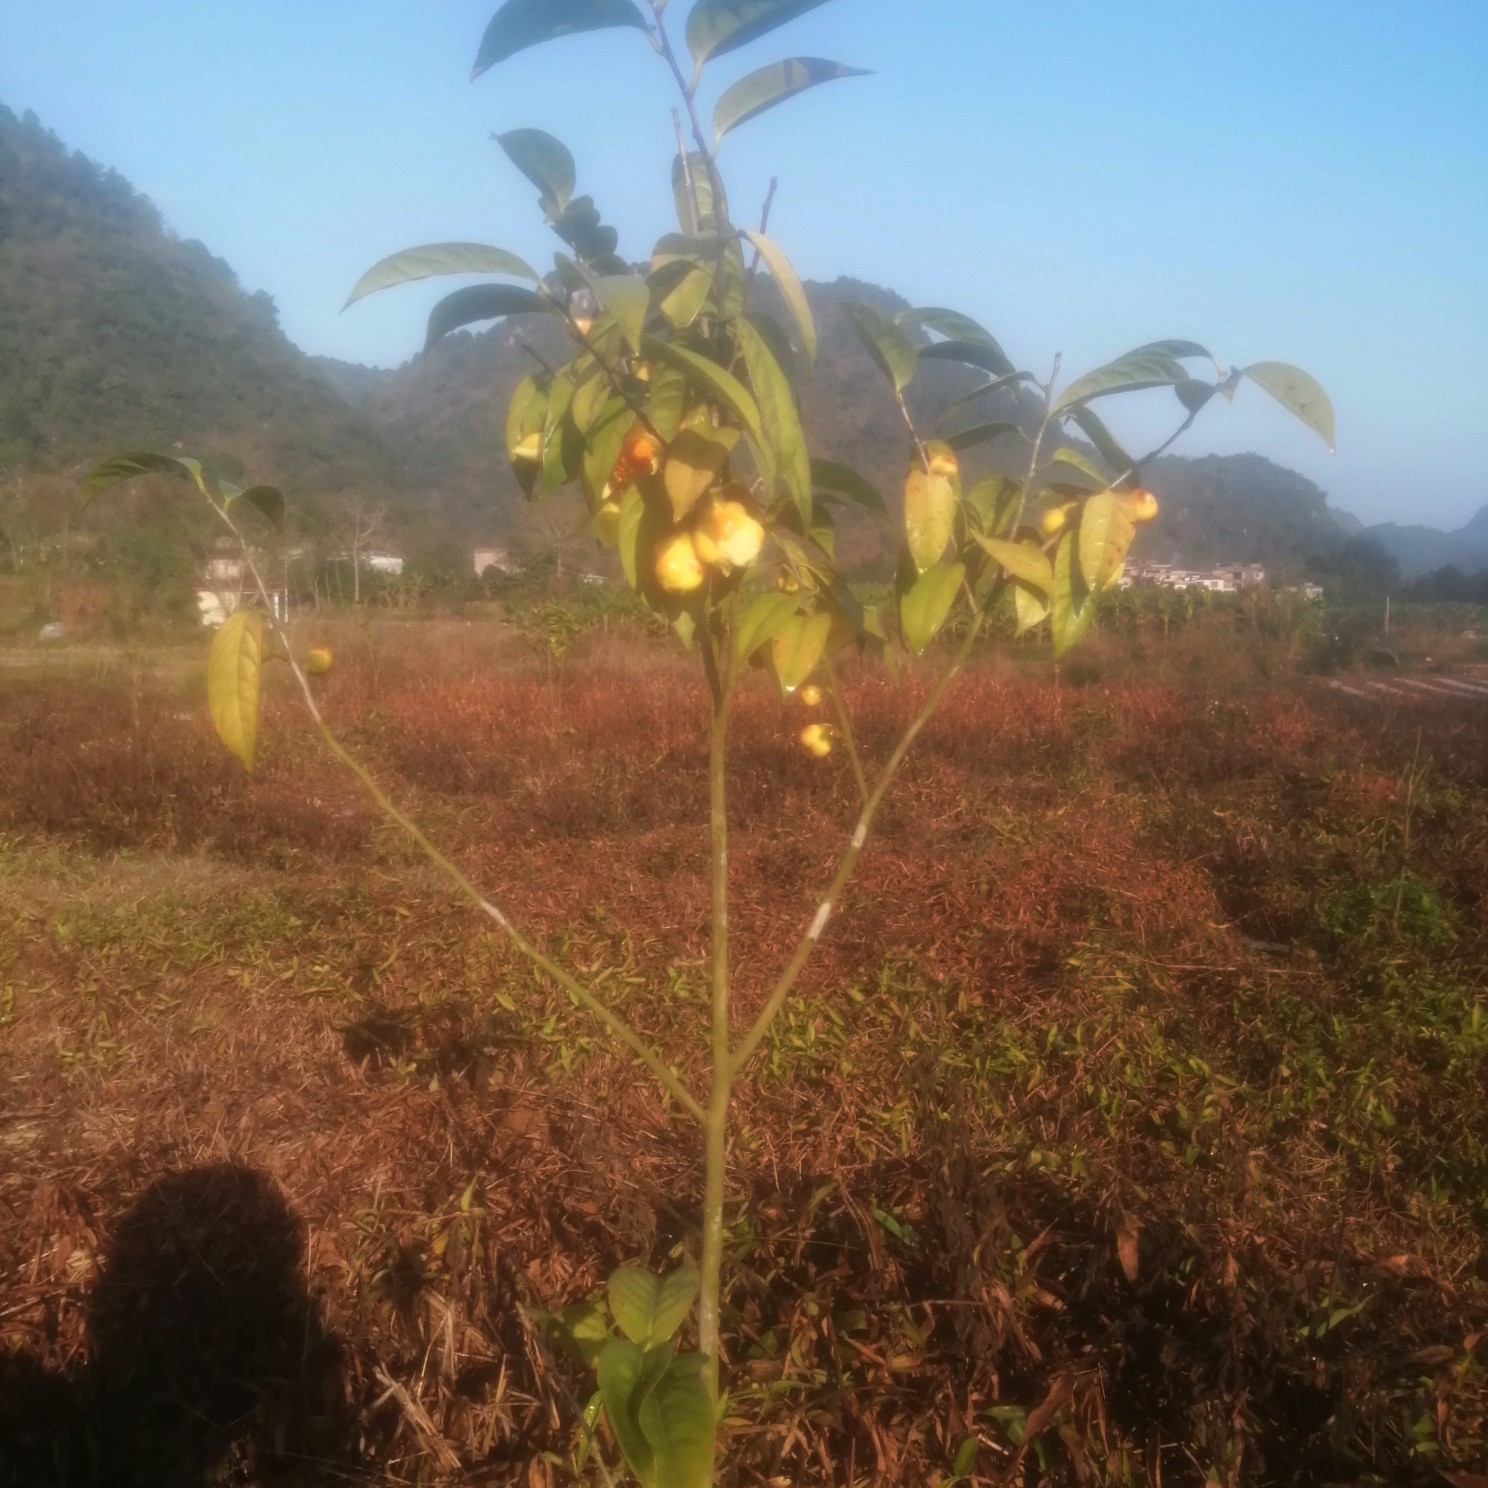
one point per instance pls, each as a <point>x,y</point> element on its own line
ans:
<point>628,533</point>
<point>1130,373</point>
<point>545,162</point>
<point>708,374</point>
<point>771,85</point>
<point>997,385</point>
<point>1107,446</point>
<point>435,259</point>
<point>930,503</point>
<point>621,1367</point>
<point>966,1456</point>
<point>1178,349</point>
<point>1073,460</point>
<point>603,441</point>
<point>589,1420</point>
<point>1299,393</point>
<point>1194,393</point>
<point>694,461</point>
<point>923,610</point>
<point>695,214</point>
<point>580,227</point>
<point>562,445</point>
<point>268,501</point>
<point>994,502</point>
<point>678,1422</point>
<point>680,290</point>
<point>717,27</point>
<point>234,679</point>
<point>525,416</point>
<point>478,302</point>
<point>520,24</point>
<point>792,291</point>
<point>797,647</point>
<point>762,620</point>
<point>626,297</point>
<point>122,468</point>
<point>1107,527</point>
<point>778,415</point>
<point>1031,607</point>
<point>591,392</point>
<point>827,475</point>
<point>1072,606</point>
<point>1024,561</point>
<point>892,351</point>
<point>666,400</point>
<point>965,439</point>
<point>583,1331</point>
<point>987,355</point>
<point>948,323</point>
<point>648,1308</point>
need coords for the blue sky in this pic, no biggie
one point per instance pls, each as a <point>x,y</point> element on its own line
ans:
<point>1304,180</point>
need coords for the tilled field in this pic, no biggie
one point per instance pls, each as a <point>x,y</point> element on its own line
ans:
<point>1130,1122</point>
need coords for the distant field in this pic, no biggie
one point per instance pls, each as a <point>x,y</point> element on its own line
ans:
<point>1133,1111</point>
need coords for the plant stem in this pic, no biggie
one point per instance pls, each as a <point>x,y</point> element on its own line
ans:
<point>848,737</point>
<point>715,1123</point>
<point>849,861</point>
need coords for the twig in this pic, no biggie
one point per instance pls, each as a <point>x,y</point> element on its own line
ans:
<point>849,861</point>
<point>847,729</point>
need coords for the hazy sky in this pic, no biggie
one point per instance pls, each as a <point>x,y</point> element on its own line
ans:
<point>1304,180</point>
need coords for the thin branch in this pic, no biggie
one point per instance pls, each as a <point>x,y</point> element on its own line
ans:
<point>612,1021</point>
<point>847,729</point>
<point>636,405</point>
<point>849,862</point>
<point>914,434</point>
<point>692,204</point>
<point>763,227</point>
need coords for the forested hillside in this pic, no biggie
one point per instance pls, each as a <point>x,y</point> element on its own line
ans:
<point>116,334</point>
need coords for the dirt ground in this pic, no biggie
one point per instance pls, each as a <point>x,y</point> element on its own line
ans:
<point>1130,1124</point>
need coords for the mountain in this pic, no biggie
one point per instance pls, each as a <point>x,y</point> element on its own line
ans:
<point>1240,508</point>
<point>1421,550</point>
<point>444,411</point>
<point>116,335</point>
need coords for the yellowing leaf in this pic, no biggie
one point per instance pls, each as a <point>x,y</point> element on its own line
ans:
<point>792,291</point>
<point>761,621</point>
<point>234,676</point>
<point>1299,393</point>
<point>694,461</point>
<point>1107,526</point>
<point>1031,606</point>
<point>1024,561</point>
<point>1072,606</point>
<point>650,1308</point>
<point>923,610</point>
<point>797,647</point>
<point>929,514</point>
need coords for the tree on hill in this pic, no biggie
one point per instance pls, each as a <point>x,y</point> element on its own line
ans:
<point>114,333</point>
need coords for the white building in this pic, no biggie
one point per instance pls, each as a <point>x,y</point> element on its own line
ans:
<point>494,557</point>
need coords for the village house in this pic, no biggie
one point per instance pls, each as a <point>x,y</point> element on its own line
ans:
<point>1222,578</point>
<point>494,556</point>
<point>225,585</point>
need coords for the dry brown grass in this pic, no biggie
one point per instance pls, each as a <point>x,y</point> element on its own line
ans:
<point>1106,976</point>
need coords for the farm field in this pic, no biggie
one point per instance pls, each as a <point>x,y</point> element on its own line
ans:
<point>1130,1123</point>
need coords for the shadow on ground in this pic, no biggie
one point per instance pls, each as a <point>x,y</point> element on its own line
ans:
<point>206,1358</point>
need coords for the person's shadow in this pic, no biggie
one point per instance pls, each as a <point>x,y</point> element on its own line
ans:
<point>205,1354</point>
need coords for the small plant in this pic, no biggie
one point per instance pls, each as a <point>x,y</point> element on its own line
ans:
<point>678,418</point>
